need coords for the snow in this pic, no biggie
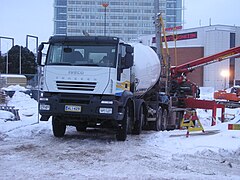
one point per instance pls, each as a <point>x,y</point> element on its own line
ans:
<point>12,75</point>
<point>15,88</point>
<point>28,150</point>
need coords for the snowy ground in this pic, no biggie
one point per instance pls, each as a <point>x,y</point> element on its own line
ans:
<point>28,150</point>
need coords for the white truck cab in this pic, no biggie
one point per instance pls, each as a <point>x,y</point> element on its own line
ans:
<point>86,81</point>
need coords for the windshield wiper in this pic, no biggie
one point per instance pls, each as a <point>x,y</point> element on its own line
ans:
<point>86,64</point>
<point>60,63</point>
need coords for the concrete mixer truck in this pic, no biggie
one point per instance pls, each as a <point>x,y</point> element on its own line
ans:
<point>95,81</point>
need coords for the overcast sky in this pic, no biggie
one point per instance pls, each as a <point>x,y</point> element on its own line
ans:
<point>35,17</point>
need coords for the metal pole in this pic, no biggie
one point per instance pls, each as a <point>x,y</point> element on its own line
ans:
<point>26,41</point>
<point>225,82</point>
<point>7,64</point>
<point>0,48</point>
<point>175,44</point>
<point>105,21</point>
<point>36,45</point>
<point>105,5</point>
<point>20,60</point>
<point>157,29</point>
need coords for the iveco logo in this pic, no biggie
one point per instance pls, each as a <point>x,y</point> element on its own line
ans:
<point>76,72</point>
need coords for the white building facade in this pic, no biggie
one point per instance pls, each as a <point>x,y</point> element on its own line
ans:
<point>212,39</point>
<point>126,19</point>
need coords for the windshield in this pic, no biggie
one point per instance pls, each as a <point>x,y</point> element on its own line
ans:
<point>82,55</point>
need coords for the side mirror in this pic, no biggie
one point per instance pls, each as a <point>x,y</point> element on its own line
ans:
<point>127,61</point>
<point>39,54</point>
<point>129,49</point>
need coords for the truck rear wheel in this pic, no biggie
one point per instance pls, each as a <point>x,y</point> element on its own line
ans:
<point>164,120</point>
<point>158,122</point>
<point>139,122</point>
<point>126,127</point>
<point>58,127</point>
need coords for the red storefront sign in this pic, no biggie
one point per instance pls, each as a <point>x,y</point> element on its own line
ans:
<point>173,28</point>
<point>178,37</point>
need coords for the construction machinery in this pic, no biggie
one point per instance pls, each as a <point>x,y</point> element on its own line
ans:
<point>187,92</point>
<point>230,98</point>
<point>184,87</point>
<point>233,95</point>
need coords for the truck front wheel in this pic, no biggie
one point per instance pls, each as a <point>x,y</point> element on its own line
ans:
<point>126,126</point>
<point>58,127</point>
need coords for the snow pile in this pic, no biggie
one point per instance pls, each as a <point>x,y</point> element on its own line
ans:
<point>15,88</point>
<point>6,116</point>
<point>206,93</point>
<point>27,109</point>
<point>24,103</point>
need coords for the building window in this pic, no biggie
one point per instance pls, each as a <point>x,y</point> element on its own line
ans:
<point>116,24</point>
<point>132,17</point>
<point>115,3</point>
<point>71,2</point>
<point>61,16</point>
<point>61,31</point>
<point>171,12</point>
<point>61,3</point>
<point>72,23</point>
<point>59,10</point>
<point>72,16</point>
<point>145,18</point>
<point>130,31</point>
<point>147,11</point>
<point>61,23</point>
<point>116,10</point>
<point>116,31</point>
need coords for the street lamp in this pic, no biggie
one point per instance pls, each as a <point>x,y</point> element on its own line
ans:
<point>225,74</point>
<point>105,5</point>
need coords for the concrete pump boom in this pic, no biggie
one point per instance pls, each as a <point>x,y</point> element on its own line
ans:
<point>192,65</point>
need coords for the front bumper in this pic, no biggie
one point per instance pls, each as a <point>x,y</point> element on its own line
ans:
<point>80,107</point>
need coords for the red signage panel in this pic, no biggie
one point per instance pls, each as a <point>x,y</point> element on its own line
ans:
<point>178,37</point>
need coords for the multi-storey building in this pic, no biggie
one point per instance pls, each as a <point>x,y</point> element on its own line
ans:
<point>126,19</point>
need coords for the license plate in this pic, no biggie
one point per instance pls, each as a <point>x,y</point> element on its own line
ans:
<point>72,108</point>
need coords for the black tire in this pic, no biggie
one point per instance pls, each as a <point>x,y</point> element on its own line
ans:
<point>58,127</point>
<point>138,126</point>
<point>164,120</point>
<point>126,127</point>
<point>158,122</point>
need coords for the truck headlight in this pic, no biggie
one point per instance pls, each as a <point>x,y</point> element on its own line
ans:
<point>41,82</point>
<point>43,99</point>
<point>103,110</point>
<point>44,107</point>
<point>106,102</point>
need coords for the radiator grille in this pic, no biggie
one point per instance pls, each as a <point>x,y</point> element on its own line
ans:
<point>76,86</point>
